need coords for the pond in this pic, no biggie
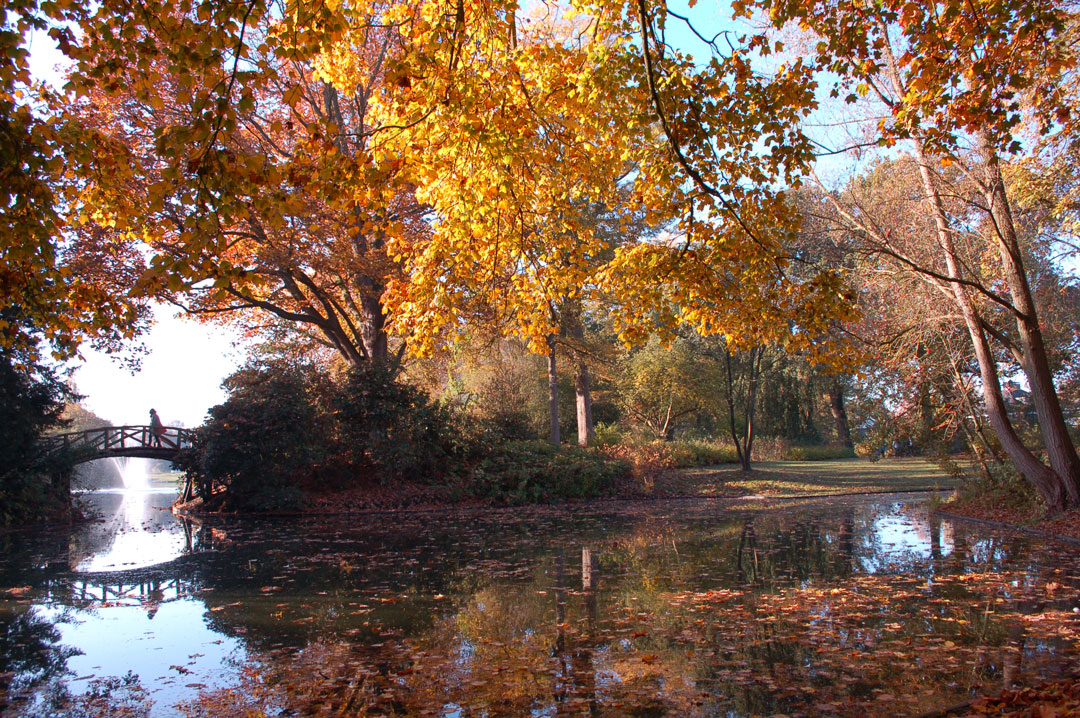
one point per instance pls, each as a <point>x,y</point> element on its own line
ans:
<point>847,607</point>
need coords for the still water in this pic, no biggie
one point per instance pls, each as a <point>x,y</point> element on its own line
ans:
<point>848,607</point>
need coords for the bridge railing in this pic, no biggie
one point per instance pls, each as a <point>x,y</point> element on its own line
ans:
<point>118,438</point>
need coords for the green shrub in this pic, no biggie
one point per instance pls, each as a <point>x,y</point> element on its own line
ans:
<point>644,459</point>
<point>261,443</point>
<point>389,425</point>
<point>707,453</point>
<point>868,450</point>
<point>286,428</point>
<point>692,454</point>
<point>531,471</point>
<point>994,487</point>
<point>606,435</point>
<point>648,458</point>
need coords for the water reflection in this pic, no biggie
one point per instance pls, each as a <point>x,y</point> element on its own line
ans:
<point>134,528</point>
<point>853,607</point>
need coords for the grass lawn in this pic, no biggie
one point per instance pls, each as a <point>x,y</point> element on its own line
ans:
<point>165,479</point>
<point>800,478</point>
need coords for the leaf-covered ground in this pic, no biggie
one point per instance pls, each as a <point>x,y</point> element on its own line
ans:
<point>776,479</point>
<point>988,508</point>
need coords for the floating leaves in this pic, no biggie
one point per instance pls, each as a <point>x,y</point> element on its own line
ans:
<point>854,608</point>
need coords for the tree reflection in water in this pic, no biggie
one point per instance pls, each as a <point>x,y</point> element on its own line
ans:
<point>846,609</point>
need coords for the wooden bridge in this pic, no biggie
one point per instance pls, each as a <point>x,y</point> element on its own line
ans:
<point>140,441</point>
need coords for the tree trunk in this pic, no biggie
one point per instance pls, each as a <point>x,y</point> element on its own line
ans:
<point>1059,446</point>
<point>757,356</point>
<point>1057,490</point>
<point>372,318</point>
<point>582,386</point>
<point>745,446</point>
<point>373,325</point>
<point>584,405</point>
<point>976,438</point>
<point>553,393</point>
<point>836,404</point>
<point>1048,483</point>
<point>744,462</point>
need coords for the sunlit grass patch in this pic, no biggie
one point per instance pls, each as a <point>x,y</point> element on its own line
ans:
<point>799,478</point>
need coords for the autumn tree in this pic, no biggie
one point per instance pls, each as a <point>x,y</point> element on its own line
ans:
<point>218,145</point>
<point>493,379</point>
<point>268,153</point>
<point>249,166</point>
<point>513,125</point>
<point>900,337</point>
<point>916,328</point>
<point>953,80</point>
<point>54,292</point>
<point>611,227</point>
<point>515,170</point>
<point>660,385</point>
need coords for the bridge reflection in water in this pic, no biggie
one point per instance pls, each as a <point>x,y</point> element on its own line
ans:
<point>173,580</point>
<point>136,586</point>
<point>137,554</point>
<point>161,584</point>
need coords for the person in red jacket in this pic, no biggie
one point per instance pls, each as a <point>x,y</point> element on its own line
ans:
<point>157,429</point>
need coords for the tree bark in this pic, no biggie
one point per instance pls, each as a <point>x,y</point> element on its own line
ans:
<point>373,325</point>
<point>1046,481</point>
<point>582,384</point>
<point>1059,446</point>
<point>584,405</point>
<point>836,405</point>
<point>976,437</point>
<point>372,318</point>
<point>745,446</point>
<point>757,356</point>
<point>744,461</point>
<point>553,393</point>
<point>1054,487</point>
